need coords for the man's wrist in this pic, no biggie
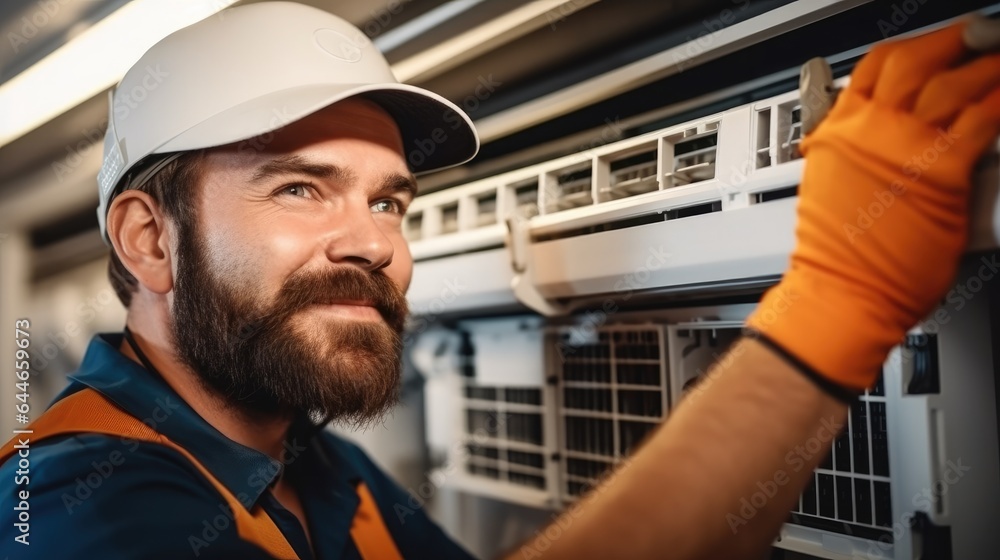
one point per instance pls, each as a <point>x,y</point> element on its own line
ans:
<point>838,334</point>
<point>843,394</point>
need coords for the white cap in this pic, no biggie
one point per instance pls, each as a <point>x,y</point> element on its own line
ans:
<point>253,69</point>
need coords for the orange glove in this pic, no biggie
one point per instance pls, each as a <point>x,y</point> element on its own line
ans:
<point>883,207</point>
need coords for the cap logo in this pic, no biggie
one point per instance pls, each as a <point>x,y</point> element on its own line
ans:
<point>337,45</point>
<point>113,162</point>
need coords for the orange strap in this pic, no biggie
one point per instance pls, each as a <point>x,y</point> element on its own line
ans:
<point>88,411</point>
<point>369,532</point>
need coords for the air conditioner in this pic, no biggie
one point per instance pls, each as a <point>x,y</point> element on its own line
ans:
<point>569,381</point>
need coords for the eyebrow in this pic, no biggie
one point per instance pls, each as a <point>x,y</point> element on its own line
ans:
<point>298,165</point>
<point>395,182</point>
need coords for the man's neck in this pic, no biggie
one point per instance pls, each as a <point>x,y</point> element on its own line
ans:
<point>263,433</point>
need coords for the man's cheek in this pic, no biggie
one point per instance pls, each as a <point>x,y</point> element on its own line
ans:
<point>262,261</point>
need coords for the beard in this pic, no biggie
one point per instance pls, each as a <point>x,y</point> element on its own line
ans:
<point>261,361</point>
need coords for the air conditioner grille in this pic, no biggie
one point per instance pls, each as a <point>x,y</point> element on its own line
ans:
<point>763,144</point>
<point>504,434</point>
<point>569,189</point>
<point>630,176</point>
<point>486,209</point>
<point>789,131</point>
<point>850,491</point>
<point>613,393</point>
<point>694,160</point>
<point>852,484</point>
<point>414,226</point>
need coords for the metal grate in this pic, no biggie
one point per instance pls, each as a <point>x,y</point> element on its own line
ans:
<point>850,490</point>
<point>852,486</point>
<point>613,393</point>
<point>504,434</point>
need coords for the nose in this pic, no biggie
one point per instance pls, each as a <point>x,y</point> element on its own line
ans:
<point>357,238</point>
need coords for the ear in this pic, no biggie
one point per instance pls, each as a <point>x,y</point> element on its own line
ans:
<point>139,234</point>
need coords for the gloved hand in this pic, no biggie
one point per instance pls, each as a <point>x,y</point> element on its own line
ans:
<point>883,205</point>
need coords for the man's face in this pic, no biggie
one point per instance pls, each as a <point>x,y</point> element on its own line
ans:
<point>289,288</point>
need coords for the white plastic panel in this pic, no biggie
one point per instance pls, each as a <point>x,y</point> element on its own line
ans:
<point>509,351</point>
<point>744,243</point>
<point>473,281</point>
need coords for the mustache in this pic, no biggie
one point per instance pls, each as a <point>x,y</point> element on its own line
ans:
<point>305,289</point>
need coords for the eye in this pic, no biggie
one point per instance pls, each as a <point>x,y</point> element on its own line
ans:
<point>388,206</point>
<point>301,190</point>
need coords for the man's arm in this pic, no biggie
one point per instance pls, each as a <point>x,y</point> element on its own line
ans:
<point>905,134</point>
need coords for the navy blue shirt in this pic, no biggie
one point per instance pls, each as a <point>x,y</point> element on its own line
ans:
<point>95,496</point>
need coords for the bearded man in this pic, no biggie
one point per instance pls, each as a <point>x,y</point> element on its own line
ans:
<point>254,203</point>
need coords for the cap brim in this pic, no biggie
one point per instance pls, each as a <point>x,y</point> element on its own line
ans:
<point>436,134</point>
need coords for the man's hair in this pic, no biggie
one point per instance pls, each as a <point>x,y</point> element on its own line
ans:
<point>173,189</point>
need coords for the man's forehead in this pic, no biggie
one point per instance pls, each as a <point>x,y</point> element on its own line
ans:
<point>350,115</point>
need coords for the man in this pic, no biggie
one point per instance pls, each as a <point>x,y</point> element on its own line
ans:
<point>264,268</point>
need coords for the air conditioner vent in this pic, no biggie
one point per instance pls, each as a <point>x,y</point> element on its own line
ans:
<point>776,194</point>
<point>568,189</point>
<point>763,139</point>
<point>694,159</point>
<point>414,226</point>
<point>525,196</point>
<point>449,218</point>
<point>486,209</point>
<point>651,218</point>
<point>504,434</point>
<point>850,490</point>
<point>630,176</point>
<point>694,210</point>
<point>613,393</point>
<point>789,131</point>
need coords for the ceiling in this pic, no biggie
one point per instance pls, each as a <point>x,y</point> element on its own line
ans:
<point>564,44</point>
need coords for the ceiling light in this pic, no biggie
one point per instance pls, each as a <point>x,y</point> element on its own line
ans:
<point>93,61</point>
